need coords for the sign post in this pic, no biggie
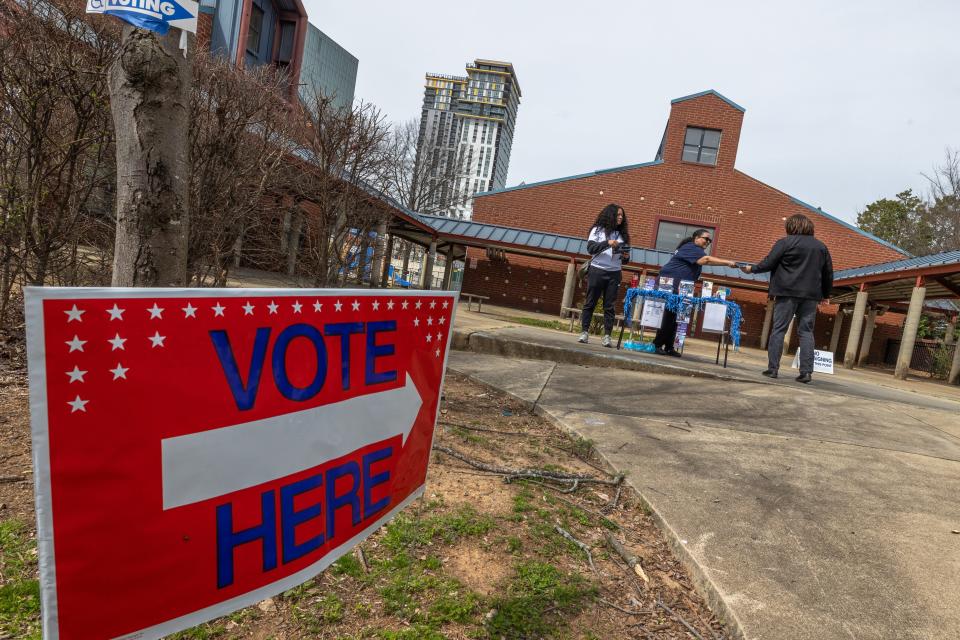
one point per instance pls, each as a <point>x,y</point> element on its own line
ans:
<point>198,450</point>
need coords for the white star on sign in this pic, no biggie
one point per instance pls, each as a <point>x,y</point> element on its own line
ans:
<point>442,319</point>
<point>296,306</point>
<point>317,306</point>
<point>355,305</point>
<point>273,306</point>
<point>337,305</point>
<point>248,309</point>
<point>404,305</point>
<point>155,311</point>
<point>76,344</point>
<point>74,314</point>
<point>376,305</point>
<point>117,342</point>
<point>429,321</point>
<point>189,311</point>
<point>416,322</point>
<point>438,353</point>
<point>78,405</point>
<point>76,374</point>
<point>429,337</point>
<point>157,339</point>
<point>446,303</point>
<point>218,309</point>
<point>417,305</point>
<point>389,305</point>
<point>120,371</point>
<point>439,336</point>
<point>433,304</point>
<point>116,313</point>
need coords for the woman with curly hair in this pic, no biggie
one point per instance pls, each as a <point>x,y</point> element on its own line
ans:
<point>609,247</point>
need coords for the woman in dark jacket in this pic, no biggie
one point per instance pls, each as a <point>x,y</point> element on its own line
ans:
<point>609,246</point>
<point>801,275</point>
<point>686,264</point>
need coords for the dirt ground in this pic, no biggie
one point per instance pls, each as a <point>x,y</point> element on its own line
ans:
<point>476,557</point>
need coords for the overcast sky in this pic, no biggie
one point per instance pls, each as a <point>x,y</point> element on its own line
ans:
<point>846,101</point>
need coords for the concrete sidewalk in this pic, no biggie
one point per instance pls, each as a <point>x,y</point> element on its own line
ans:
<point>804,513</point>
<point>496,333</point>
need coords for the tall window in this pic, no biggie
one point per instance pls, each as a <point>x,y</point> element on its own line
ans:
<point>701,145</point>
<point>669,234</point>
<point>255,31</point>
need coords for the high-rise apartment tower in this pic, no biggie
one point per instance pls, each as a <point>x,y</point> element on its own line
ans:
<point>466,134</point>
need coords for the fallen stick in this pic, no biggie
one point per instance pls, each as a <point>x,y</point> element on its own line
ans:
<point>517,474</point>
<point>632,561</point>
<point>459,425</point>
<point>642,612</point>
<point>566,534</point>
<point>6,479</point>
<point>610,506</point>
<point>363,559</point>
<point>680,618</point>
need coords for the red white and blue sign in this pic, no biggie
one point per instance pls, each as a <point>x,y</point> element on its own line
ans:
<point>155,15</point>
<point>199,450</point>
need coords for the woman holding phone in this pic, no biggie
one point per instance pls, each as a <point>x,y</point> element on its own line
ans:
<point>609,247</point>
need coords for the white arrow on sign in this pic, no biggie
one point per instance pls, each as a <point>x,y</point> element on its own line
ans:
<point>213,463</point>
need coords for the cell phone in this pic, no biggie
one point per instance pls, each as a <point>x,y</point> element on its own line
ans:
<point>740,265</point>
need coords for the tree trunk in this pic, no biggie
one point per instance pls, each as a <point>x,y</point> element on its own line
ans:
<point>150,101</point>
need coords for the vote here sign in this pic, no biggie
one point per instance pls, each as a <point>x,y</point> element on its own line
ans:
<point>197,450</point>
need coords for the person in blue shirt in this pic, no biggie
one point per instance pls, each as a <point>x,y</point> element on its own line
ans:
<point>686,264</point>
<point>609,247</point>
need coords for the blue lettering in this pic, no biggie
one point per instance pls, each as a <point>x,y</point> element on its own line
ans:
<point>243,395</point>
<point>227,540</point>
<point>375,351</point>
<point>349,498</point>
<point>344,330</point>
<point>291,519</point>
<point>283,383</point>
<point>369,482</point>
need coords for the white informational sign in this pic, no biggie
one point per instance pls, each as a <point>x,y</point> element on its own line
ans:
<point>155,15</point>
<point>822,361</point>
<point>652,316</point>
<point>714,317</point>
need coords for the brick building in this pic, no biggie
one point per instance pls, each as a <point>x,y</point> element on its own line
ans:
<point>692,182</point>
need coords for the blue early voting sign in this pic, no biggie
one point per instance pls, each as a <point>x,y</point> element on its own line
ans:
<point>155,15</point>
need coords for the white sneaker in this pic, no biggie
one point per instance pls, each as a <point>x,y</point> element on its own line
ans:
<point>605,341</point>
<point>584,337</point>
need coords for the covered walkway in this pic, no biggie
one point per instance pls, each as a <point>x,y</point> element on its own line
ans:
<point>914,286</point>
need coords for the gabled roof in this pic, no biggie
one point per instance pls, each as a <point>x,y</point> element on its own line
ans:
<point>709,92</point>
<point>823,213</point>
<point>591,174</point>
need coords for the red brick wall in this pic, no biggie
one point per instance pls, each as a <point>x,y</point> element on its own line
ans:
<point>748,217</point>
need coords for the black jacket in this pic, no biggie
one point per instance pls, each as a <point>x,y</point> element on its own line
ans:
<point>800,267</point>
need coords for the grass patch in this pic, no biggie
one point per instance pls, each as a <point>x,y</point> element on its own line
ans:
<point>543,324</point>
<point>536,598</point>
<point>406,531</point>
<point>20,596</point>
<point>316,616</point>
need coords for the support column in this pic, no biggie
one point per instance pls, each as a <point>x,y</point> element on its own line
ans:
<point>405,269</point>
<point>448,269</point>
<point>767,321</point>
<point>856,327</point>
<point>909,337</point>
<point>954,376</point>
<point>569,285</point>
<point>376,265</point>
<point>387,261</point>
<point>837,329</point>
<point>867,337</point>
<point>426,278</point>
<point>951,329</point>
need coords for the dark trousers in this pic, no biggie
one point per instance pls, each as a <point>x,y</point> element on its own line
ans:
<point>601,282</point>
<point>784,310</point>
<point>667,332</point>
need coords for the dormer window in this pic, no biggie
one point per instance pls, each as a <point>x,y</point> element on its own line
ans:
<point>701,145</point>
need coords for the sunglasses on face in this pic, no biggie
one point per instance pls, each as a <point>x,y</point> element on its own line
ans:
<point>706,239</point>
